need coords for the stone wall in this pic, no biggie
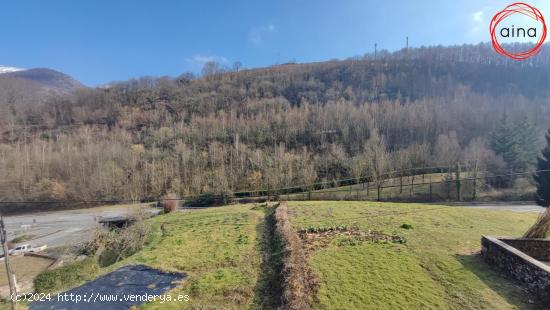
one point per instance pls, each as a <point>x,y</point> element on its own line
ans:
<point>538,249</point>
<point>530,273</point>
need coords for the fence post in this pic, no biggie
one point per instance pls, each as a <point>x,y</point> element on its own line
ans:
<point>431,192</point>
<point>458,185</point>
<point>378,190</point>
<point>401,184</point>
<point>474,193</point>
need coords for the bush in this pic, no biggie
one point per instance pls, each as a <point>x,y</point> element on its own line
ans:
<point>406,226</point>
<point>110,246</point>
<point>69,275</point>
<point>523,186</point>
<point>206,200</point>
<point>349,242</point>
<point>169,203</point>
<point>21,238</point>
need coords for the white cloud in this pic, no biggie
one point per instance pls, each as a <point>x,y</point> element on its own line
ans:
<point>478,17</point>
<point>256,35</point>
<point>478,22</point>
<point>200,59</point>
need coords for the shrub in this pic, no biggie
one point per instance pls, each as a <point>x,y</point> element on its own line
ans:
<point>110,246</point>
<point>406,226</point>
<point>21,238</point>
<point>169,203</point>
<point>349,242</point>
<point>206,200</point>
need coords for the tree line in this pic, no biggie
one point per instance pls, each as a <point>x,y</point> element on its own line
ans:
<point>293,124</point>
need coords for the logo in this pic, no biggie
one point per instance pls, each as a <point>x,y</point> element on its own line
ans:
<point>518,9</point>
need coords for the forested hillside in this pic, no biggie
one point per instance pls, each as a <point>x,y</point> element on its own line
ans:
<point>290,124</point>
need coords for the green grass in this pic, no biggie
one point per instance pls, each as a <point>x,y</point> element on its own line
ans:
<point>67,276</point>
<point>434,269</point>
<point>218,248</point>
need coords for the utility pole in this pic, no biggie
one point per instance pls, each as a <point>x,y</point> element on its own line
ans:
<point>375,50</point>
<point>9,271</point>
<point>407,44</point>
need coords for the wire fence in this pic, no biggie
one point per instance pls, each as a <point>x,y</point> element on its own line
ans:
<point>249,193</point>
<point>423,184</point>
<point>340,182</point>
<point>452,186</point>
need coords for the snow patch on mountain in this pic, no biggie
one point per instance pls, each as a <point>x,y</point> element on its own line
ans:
<point>5,69</point>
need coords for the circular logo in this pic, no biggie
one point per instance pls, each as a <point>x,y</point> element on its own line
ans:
<point>526,10</point>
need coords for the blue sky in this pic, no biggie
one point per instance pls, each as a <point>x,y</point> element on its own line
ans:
<point>101,41</point>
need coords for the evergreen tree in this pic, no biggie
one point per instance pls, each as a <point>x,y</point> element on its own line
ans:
<point>515,143</point>
<point>541,228</point>
<point>527,141</point>
<point>542,178</point>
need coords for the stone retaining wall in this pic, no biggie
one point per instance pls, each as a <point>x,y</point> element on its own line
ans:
<point>538,249</point>
<point>531,274</point>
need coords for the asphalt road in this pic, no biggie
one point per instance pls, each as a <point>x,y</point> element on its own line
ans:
<point>61,228</point>
<point>516,207</point>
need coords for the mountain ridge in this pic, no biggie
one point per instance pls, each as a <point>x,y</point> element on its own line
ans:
<point>33,86</point>
<point>46,78</point>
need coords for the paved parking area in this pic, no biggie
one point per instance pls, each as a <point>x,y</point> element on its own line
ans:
<point>62,228</point>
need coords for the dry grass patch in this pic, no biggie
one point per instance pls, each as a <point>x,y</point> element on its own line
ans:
<point>299,282</point>
<point>317,239</point>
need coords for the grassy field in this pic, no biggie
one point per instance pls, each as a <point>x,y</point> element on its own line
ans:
<point>433,265</point>
<point>219,249</point>
<point>435,269</point>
